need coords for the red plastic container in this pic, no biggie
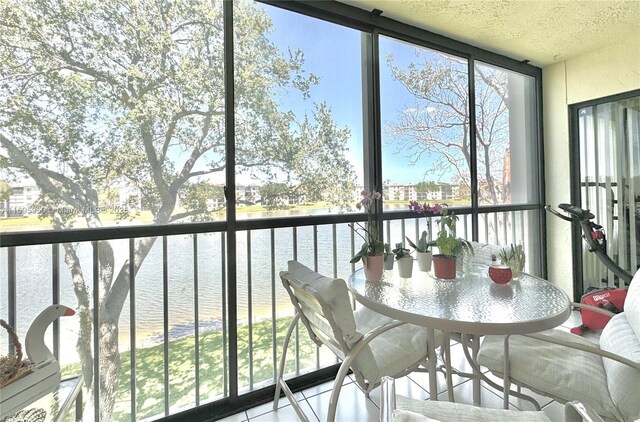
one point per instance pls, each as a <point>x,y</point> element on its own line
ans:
<point>500,274</point>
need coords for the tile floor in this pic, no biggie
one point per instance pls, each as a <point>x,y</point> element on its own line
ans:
<point>354,406</point>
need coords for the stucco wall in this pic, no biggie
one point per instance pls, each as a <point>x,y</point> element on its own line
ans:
<point>607,71</point>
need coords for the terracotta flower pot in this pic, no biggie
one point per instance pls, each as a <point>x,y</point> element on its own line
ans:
<point>444,267</point>
<point>373,267</point>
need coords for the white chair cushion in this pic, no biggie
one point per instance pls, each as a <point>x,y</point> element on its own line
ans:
<point>557,371</point>
<point>392,351</point>
<point>335,294</point>
<point>624,382</point>
<point>446,411</point>
<point>408,416</point>
<point>632,304</point>
<point>482,252</point>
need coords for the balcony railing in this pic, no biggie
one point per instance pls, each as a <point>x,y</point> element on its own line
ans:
<point>174,343</point>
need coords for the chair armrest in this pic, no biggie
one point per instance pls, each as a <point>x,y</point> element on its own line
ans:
<point>387,399</point>
<point>574,411</point>
<point>592,308</point>
<point>585,348</point>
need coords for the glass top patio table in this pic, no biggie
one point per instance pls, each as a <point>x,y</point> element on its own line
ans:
<point>470,304</point>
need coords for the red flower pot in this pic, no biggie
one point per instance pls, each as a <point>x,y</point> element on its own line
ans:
<point>444,267</point>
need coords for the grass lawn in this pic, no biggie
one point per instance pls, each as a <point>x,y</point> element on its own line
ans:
<point>149,369</point>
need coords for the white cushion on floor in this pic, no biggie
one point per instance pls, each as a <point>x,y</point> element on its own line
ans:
<point>446,411</point>
<point>560,372</point>
<point>392,351</point>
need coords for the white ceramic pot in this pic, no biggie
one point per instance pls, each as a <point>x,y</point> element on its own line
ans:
<point>388,261</point>
<point>424,261</point>
<point>405,267</point>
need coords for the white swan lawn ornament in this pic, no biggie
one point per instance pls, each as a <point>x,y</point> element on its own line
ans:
<point>44,376</point>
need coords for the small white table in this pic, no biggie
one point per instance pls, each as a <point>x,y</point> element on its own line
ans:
<point>54,406</point>
<point>471,305</point>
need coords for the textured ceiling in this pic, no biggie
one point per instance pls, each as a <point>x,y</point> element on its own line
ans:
<point>542,31</point>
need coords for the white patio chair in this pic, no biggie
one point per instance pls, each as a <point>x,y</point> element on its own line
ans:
<point>566,367</point>
<point>396,408</point>
<point>482,252</point>
<point>372,345</point>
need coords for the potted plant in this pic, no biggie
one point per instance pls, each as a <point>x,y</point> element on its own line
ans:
<point>405,261</point>
<point>514,258</point>
<point>388,257</point>
<point>372,248</point>
<point>421,247</point>
<point>449,246</point>
<point>423,254</point>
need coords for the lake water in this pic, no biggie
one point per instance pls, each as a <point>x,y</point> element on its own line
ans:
<point>270,251</point>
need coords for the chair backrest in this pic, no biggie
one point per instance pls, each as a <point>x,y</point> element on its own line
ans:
<point>324,306</point>
<point>482,252</point>
<point>622,337</point>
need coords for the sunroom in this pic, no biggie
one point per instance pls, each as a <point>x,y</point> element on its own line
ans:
<point>163,161</point>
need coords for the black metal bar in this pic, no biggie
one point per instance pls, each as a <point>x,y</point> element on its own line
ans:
<point>335,250</point>
<point>11,294</point>
<point>250,309</point>
<point>297,339</point>
<point>96,332</point>
<point>165,320</point>
<point>196,318</point>
<point>375,153</point>
<point>274,331</point>
<point>315,268</point>
<point>542,215</point>
<point>55,284</point>
<point>473,153</point>
<point>230,136</point>
<point>225,319</point>
<point>576,198</point>
<point>46,237</point>
<point>132,326</point>
<point>368,109</point>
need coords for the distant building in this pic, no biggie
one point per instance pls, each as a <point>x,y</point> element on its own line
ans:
<point>408,192</point>
<point>399,192</point>
<point>21,202</point>
<point>444,191</point>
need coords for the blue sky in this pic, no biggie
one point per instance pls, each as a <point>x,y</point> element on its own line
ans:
<point>333,53</point>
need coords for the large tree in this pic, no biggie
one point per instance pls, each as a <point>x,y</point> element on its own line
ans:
<point>437,122</point>
<point>104,94</point>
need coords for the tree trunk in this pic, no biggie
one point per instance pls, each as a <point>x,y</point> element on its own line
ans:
<point>109,367</point>
<point>83,344</point>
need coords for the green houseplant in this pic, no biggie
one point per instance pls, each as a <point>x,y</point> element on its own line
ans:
<point>371,251</point>
<point>449,246</point>
<point>422,245</point>
<point>514,258</point>
<point>405,261</point>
